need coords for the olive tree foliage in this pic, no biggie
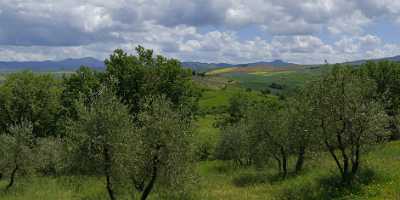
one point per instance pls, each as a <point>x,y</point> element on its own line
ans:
<point>52,154</point>
<point>386,75</point>
<point>261,133</point>
<point>17,153</point>
<point>280,129</point>
<point>98,139</point>
<point>162,156</point>
<point>269,132</point>
<point>301,127</point>
<point>237,108</point>
<point>141,75</point>
<point>349,118</point>
<point>234,144</point>
<point>31,97</point>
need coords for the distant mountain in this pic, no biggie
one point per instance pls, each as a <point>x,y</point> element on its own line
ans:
<point>359,62</point>
<point>275,63</point>
<point>199,66</point>
<point>70,64</point>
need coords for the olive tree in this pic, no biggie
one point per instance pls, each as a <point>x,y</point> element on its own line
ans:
<point>348,117</point>
<point>269,129</point>
<point>17,153</point>
<point>52,154</point>
<point>162,156</point>
<point>99,137</point>
<point>234,144</point>
<point>386,75</point>
<point>301,126</point>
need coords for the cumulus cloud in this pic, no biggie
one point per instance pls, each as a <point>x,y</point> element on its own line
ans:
<point>206,30</point>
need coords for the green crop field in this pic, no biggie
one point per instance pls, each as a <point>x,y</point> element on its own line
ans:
<point>219,98</point>
<point>262,80</point>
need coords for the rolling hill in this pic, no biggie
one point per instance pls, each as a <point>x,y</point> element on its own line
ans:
<point>202,67</point>
<point>72,64</point>
<point>359,62</point>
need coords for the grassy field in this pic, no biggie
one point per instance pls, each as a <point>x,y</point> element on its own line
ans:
<point>218,90</point>
<point>252,69</point>
<point>262,80</point>
<point>216,99</point>
<point>222,71</point>
<point>219,180</point>
<point>378,180</point>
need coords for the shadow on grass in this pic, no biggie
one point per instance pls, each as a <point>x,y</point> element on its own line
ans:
<point>249,179</point>
<point>254,178</point>
<point>224,167</point>
<point>325,188</point>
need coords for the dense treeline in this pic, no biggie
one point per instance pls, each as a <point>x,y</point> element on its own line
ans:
<point>132,124</point>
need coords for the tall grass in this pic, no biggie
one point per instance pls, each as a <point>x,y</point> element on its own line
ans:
<point>217,180</point>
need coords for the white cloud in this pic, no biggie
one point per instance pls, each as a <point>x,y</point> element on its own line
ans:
<point>352,24</point>
<point>206,30</point>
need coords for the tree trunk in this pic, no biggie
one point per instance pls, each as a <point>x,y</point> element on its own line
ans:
<point>346,166</point>
<point>355,161</point>
<point>332,152</point>
<point>395,133</point>
<point>12,177</point>
<point>300,159</point>
<point>107,172</point>
<point>150,186</point>
<point>284,163</point>
<point>279,163</point>
<point>239,162</point>
<point>284,167</point>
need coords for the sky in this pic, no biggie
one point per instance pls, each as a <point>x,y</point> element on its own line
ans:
<point>233,31</point>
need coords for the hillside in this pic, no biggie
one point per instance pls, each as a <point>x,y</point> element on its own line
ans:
<point>72,64</point>
<point>262,77</point>
<point>359,62</point>
<point>198,66</point>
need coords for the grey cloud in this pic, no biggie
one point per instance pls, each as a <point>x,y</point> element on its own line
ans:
<point>74,22</point>
<point>38,29</point>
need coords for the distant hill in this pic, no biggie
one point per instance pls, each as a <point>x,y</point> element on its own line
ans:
<point>48,65</point>
<point>359,62</point>
<point>72,64</point>
<point>199,66</point>
<point>275,63</point>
